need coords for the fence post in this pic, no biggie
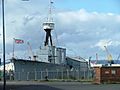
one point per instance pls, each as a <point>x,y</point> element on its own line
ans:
<point>10,75</point>
<point>41,75</point>
<point>62,74</point>
<point>46,77</point>
<point>88,74</point>
<point>57,74</point>
<point>67,74</point>
<point>77,74</point>
<point>35,75</point>
<point>28,75</point>
<point>84,73</point>
<point>47,72</point>
<point>18,75</point>
<point>74,74</point>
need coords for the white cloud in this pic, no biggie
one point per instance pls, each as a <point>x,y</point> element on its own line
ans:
<point>107,42</point>
<point>103,43</point>
<point>79,29</point>
<point>27,19</point>
<point>70,17</point>
<point>89,29</point>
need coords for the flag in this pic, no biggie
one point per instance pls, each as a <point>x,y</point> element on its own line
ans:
<point>19,41</point>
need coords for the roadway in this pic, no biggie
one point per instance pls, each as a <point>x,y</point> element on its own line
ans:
<point>58,86</point>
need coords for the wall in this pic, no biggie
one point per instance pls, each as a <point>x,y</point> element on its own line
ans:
<point>107,74</point>
<point>97,75</point>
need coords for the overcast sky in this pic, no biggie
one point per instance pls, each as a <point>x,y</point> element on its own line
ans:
<point>83,27</point>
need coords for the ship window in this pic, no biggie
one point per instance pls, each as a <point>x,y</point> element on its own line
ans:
<point>113,72</point>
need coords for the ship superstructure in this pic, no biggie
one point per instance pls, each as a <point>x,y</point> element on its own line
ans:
<point>48,26</point>
<point>50,53</point>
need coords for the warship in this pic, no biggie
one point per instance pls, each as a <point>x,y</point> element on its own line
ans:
<point>50,61</point>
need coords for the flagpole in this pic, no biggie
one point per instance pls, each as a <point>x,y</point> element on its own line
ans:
<point>3,20</point>
<point>13,47</point>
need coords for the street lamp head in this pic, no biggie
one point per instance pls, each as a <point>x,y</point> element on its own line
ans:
<point>25,0</point>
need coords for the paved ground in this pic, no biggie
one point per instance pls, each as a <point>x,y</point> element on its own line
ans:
<point>58,86</point>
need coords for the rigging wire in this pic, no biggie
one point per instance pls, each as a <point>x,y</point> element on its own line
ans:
<point>56,36</point>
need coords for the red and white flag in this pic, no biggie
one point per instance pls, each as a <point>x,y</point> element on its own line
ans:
<point>19,41</point>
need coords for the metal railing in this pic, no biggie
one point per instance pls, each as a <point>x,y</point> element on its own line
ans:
<point>49,75</point>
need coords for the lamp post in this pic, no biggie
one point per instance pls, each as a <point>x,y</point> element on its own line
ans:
<point>3,26</point>
<point>3,20</point>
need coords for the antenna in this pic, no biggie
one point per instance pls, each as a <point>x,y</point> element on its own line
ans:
<point>49,19</point>
<point>96,57</point>
<point>49,25</point>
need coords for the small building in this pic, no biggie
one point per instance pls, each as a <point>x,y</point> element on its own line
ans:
<point>107,74</point>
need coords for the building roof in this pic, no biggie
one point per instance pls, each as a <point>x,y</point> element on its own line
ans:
<point>78,59</point>
<point>107,65</point>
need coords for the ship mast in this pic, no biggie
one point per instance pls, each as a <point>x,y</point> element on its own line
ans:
<point>48,26</point>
